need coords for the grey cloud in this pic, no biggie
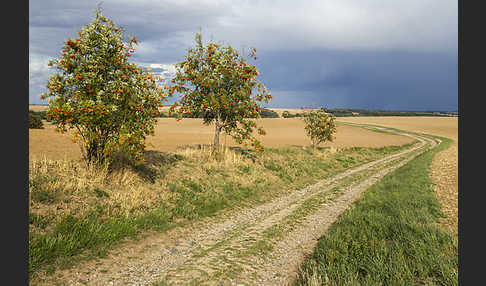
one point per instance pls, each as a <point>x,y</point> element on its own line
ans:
<point>398,80</point>
<point>341,53</point>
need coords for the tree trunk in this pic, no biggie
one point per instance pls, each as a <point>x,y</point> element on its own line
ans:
<point>94,153</point>
<point>216,137</point>
<point>216,133</point>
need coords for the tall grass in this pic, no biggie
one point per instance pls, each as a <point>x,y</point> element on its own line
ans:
<point>390,236</point>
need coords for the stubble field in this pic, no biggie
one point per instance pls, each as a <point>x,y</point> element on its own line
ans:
<point>171,135</point>
<point>441,126</point>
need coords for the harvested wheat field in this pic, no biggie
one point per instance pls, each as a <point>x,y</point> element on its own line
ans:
<point>444,168</point>
<point>291,110</point>
<point>441,126</point>
<point>37,108</point>
<point>171,135</point>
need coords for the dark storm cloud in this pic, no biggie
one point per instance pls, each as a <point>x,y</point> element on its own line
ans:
<point>370,80</point>
<point>347,53</point>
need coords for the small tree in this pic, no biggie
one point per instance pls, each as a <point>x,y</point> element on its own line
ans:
<point>220,86</point>
<point>319,126</point>
<point>35,121</point>
<point>110,102</point>
<point>268,113</point>
<point>287,114</point>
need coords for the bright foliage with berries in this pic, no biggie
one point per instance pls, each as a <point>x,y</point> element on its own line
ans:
<point>219,84</point>
<point>319,126</point>
<point>109,102</point>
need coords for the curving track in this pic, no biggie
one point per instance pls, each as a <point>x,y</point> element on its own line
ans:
<point>263,245</point>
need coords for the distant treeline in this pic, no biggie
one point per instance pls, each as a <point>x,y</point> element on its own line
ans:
<point>341,112</point>
<point>338,112</point>
<point>264,113</point>
<point>41,114</point>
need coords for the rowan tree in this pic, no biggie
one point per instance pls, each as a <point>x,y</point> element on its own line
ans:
<point>110,103</point>
<point>219,85</point>
<point>319,126</point>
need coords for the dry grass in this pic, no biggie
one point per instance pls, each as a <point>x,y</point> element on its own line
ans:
<point>62,187</point>
<point>58,188</point>
<point>203,154</point>
<point>310,275</point>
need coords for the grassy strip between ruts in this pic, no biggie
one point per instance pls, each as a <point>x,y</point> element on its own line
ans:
<point>390,236</point>
<point>284,169</point>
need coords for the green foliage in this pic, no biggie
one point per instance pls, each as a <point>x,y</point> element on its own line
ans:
<point>44,196</point>
<point>162,115</point>
<point>319,126</point>
<point>35,121</point>
<point>287,114</point>
<point>100,193</point>
<point>110,102</point>
<point>42,114</point>
<point>39,220</point>
<point>219,85</point>
<point>267,113</point>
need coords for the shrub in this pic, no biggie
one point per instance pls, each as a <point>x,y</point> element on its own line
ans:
<point>267,113</point>
<point>162,115</point>
<point>42,114</point>
<point>319,126</point>
<point>35,121</point>
<point>287,114</point>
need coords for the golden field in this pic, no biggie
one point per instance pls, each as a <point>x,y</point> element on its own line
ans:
<point>37,107</point>
<point>171,135</point>
<point>440,126</point>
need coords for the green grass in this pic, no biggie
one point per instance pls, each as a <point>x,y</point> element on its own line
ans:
<point>389,237</point>
<point>76,238</point>
<point>39,220</point>
<point>39,194</point>
<point>73,235</point>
